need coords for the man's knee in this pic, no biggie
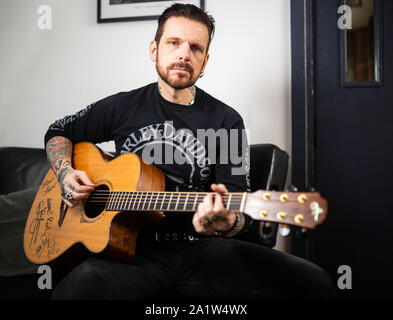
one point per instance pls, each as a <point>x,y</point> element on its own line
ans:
<point>84,282</point>
<point>323,287</point>
<point>281,274</point>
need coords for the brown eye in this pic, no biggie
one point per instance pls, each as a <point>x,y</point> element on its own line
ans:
<point>196,48</point>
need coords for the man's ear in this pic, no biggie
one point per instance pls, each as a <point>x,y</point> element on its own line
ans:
<point>205,63</point>
<point>153,51</point>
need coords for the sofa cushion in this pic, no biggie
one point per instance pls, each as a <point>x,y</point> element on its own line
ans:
<point>14,209</point>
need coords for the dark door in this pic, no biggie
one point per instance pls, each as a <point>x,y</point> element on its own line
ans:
<point>342,143</point>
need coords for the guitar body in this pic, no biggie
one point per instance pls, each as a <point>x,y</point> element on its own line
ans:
<point>52,228</point>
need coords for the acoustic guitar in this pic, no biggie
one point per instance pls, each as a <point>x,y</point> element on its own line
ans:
<point>130,194</point>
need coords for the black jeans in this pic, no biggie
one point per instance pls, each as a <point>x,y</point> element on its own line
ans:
<point>209,268</point>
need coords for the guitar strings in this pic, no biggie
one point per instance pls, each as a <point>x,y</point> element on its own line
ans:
<point>165,196</point>
<point>130,203</point>
<point>148,200</point>
<point>167,201</point>
<point>150,197</point>
<point>128,194</point>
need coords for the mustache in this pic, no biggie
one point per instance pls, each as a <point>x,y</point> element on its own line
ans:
<point>182,65</point>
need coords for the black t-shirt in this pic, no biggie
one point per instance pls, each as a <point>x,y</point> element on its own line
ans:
<point>193,146</point>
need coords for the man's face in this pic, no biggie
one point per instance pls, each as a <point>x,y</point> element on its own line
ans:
<point>181,55</point>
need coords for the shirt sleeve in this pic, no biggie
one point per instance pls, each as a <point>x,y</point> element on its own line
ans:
<point>93,123</point>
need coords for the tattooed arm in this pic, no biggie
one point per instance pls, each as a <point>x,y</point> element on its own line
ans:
<point>59,154</point>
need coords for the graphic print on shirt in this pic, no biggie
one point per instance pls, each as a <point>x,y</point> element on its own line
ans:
<point>60,124</point>
<point>163,144</point>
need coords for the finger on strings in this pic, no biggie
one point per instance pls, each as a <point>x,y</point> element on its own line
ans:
<point>82,176</point>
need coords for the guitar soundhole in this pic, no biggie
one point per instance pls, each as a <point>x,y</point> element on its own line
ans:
<point>96,202</point>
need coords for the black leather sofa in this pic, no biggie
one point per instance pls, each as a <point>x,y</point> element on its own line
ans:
<point>24,168</point>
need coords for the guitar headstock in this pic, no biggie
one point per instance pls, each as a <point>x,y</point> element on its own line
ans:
<point>300,209</point>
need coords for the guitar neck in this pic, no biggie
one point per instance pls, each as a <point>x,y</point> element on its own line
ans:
<point>305,210</point>
<point>163,201</point>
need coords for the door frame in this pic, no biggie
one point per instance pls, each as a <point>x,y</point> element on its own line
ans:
<point>303,117</point>
<point>303,126</point>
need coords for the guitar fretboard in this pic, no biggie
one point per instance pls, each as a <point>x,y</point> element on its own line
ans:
<point>164,201</point>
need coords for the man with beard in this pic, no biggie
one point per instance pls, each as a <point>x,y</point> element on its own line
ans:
<point>207,258</point>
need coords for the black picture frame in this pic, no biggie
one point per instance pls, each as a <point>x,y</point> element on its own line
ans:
<point>136,10</point>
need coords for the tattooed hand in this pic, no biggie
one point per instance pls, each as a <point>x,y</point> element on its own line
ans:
<point>75,182</point>
<point>213,218</point>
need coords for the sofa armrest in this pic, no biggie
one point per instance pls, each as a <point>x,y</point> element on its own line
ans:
<point>268,171</point>
<point>268,167</point>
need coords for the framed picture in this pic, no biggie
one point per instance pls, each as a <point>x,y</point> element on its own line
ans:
<point>133,10</point>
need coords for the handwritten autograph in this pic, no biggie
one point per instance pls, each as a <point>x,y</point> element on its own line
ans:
<point>45,240</point>
<point>48,186</point>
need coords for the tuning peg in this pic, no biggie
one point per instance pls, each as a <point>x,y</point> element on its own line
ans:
<point>284,230</point>
<point>267,227</point>
<point>302,233</point>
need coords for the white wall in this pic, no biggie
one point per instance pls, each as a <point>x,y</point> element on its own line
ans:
<point>45,74</point>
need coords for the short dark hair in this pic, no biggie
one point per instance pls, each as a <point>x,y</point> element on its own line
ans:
<point>188,11</point>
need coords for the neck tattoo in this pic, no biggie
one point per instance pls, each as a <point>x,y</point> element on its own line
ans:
<point>193,92</point>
